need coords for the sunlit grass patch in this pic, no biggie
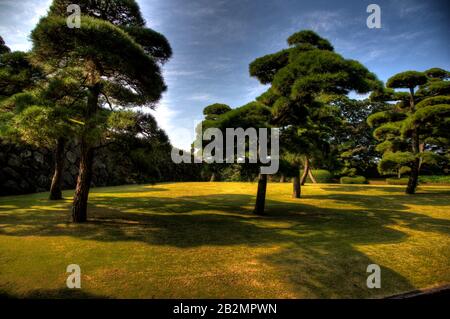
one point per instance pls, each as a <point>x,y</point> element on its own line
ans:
<point>186,240</point>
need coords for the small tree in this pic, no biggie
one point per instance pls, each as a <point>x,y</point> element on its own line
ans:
<point>42,117</point>
<point>415,130</point>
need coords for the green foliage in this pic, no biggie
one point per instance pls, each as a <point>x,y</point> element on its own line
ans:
<point>54,42</point>
<point>388,130</point>
<point>308,37</point>
<point>117,12</point>
<point>17,73</point>
<point>322,176</point>
<point>393,161</point>
<point>416,127</point>
<point>407,80</point>
<point>431,113</point>
<point>265,68</point>
<point>397,181</point>
<point>434,100</point>
<point>379,118</point>
<point>3,47</point>
<point>213,111</point>
<point>437,73</point>
<point>353,180</point>
<point>154,43</point>
<point>268,98</point>
<point>435,179</point>
<point>305,81</point>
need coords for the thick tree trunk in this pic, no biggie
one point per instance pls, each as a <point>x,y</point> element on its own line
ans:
<point>282,178</point>
<point>296,187</point>
<point>413,178</point>
<point>261,195</point>
<point>305,171</point>
<point>80,199</point>
<point>55,188</point>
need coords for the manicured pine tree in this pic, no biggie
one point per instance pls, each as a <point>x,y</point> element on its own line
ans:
<point>119,58</point>
<point>301,76</point>
<point>221,116</point>
<point>416,128</point>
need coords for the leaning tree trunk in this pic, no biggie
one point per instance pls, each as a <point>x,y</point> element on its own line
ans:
<point>311,176</point>
<point>80,199</point>
<point>305,171</point>
<point>296,187</point>
<point>55,188</point>
<point>261,195</point>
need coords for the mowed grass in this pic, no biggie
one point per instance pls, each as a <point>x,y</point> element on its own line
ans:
<point>201,240</point>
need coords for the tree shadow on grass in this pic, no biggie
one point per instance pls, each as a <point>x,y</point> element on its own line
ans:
<point>317,254</point>
<point>395,199</point>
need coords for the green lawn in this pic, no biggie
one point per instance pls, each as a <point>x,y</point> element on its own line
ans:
<point>184,240</point>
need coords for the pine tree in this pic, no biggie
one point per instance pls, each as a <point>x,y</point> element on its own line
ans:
<point>120,61</point>
<point>302,79</point>
<point>415,130</point>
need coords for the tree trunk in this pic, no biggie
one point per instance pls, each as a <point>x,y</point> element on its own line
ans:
<point>282,178</point>
<point>80,199</point>
<point>399,174</point>
<point>296,187</point>
<point>415,168</point>
<point>55,188</point>
<point>261,195</point>
<point>414,175</point>
<point>213,177</point>
<point>305,171</point>
<point>413,178</point>
<point>311,176</point>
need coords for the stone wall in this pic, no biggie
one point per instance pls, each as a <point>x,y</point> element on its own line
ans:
<point>25,169</point>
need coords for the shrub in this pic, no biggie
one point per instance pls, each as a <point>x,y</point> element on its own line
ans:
<point>321,176</point>
<point>353,180</point>
<point>435,179</point>
<point>397,181</point>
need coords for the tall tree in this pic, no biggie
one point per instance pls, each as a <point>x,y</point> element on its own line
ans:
<point>415,130</point>
<point>119,58</point>
<point>302,77</point>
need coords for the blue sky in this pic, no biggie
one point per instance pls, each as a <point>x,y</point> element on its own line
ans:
<point>215,40</point>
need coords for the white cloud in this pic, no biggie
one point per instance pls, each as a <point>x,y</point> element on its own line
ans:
<point>202,97</point>
<point>18,19</point>
<point>179,128</point>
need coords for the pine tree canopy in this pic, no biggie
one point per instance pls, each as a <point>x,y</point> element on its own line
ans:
<point>112,54</point>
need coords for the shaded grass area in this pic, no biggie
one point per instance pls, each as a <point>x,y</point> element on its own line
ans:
<point>201,240</point>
